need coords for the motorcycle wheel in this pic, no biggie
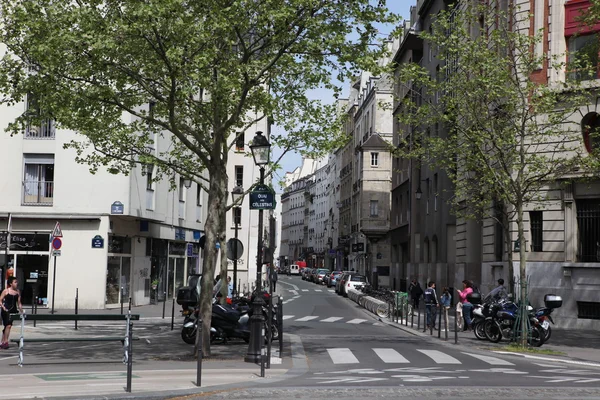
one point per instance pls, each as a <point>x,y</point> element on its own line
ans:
<point>274,332</point>
<point>479,330</point>
<point>537,337</point>
<point>492,332</point>
<point>547,334</point>
<point>189,335</point>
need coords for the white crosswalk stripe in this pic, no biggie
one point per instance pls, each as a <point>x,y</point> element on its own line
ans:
<point>318,290</point>
<point>489,360</point>
<point>342,356</point>
<point>390,356</point>
<point>305,290</point>
<point>331,319</point>
<point>356,321</point>
<point>309,318</point>
<point>288,317</point>
<point>439,357</point>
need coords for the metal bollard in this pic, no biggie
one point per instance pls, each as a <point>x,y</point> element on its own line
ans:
<point>406,313</point>
<point>76,305</point>
<point>432,319</point>
<point>419,318</point>
<point>455,326</point>
<point>280,320</point>
<point>35,309</point>
<point>446,323</point>
<point>412,318</point>
<point>439,322</point>
<point>173,313</point>
<point>129,303</point>
<point>164,304</point>
<point>269,329</point>
<point>121,299</point>
<point>129,358</point>
<point>200,355</point>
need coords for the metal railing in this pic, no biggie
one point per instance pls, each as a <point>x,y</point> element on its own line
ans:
<point>44,131</point>
<point>39,193</point>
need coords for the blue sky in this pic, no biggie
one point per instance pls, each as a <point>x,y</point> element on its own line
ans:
<point>293,160</point>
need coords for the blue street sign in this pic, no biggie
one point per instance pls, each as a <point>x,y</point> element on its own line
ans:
<point>117,208</point>
<point>97,242</point>
<point>262,198</point>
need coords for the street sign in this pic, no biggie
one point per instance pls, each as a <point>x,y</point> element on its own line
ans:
<point>262,198</point>
<point>117,208</point>
<point>57,232</point>
<point>56,253</point>
<point>97,242</point>
<point>235,249</point>
<point>56,243</point>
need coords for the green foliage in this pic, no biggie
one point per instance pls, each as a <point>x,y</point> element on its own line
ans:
<point>209,68</point>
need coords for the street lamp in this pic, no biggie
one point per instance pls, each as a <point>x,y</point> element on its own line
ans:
<point>237,195</point>
<point>260,148</point>
<point>187,182</point>
<point>418,193</point>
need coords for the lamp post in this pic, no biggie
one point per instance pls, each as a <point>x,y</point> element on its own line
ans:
<point>237,195</point>
<point>260,148</point>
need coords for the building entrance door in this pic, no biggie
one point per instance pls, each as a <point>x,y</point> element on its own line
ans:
<point>32,274</point>
<point>118,275</point>
<point>175,276</point>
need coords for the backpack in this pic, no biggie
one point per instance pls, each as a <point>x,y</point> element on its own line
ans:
<point>476,289</point>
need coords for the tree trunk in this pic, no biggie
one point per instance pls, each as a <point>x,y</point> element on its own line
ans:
<point>223,273</point>
<point>522,273</point>
<point>213,229</point>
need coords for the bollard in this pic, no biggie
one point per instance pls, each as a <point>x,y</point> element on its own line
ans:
<point>199,355</point>
<point>455,326</point>
<point>439,322</point>
<point>76,305</point>
<point>431,319</point>
<point>280,321</point>
<point>121,299</point>
<point>164,304</point>
<point>419,318</point>
<point>173,313</point>
<point>269,329</point>
<point>35,309</point>
<point>129,303</point>
<point>446,324</point>
<point>412,318</point>
<point>129,358</point>
<point>406,313</point>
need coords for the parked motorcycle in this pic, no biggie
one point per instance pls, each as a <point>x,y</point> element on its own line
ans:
<point>502,323</point>
<point>543,314</point>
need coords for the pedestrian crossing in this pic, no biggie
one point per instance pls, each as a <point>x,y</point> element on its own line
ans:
<point>314,318</point>
<point>295,291</point>
<point>344,355</point>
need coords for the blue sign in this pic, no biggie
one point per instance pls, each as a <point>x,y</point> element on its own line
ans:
<point>179,234</point>
<point>117,208</point>
<point>97,242</point>
<point>262,198</point>
<point>196,235</point>
<point>190,249</point>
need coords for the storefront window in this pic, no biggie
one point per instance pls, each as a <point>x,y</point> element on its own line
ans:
<point>119,244</point>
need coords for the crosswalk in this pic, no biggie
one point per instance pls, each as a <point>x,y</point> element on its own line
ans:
<point>314,318</point>
<point>311,290</point>
<point>344,355</point>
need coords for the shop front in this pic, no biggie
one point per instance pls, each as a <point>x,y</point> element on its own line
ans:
<point>118,270</point>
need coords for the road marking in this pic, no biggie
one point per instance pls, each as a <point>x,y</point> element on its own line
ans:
<point>356,321</point>
<point>439,357</point>
<point>318,290</point>
<point>304,319</point>
<point>331,290</point>
<point>290,284</point>
<point>342,356</point>
<point>489,360</point>
<point>288,317</point>
<point>305,290</point>
<point>331,319</point>
<point>390,356</point>
<point>550,359</point>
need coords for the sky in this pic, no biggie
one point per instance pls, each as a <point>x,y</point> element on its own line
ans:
<point>292,160</point>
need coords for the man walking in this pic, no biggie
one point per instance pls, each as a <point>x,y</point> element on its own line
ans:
<point>431,304</point>
<point>415,291</point>
<point>274,279</point>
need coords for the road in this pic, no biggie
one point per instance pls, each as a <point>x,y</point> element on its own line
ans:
<point>345,352</point>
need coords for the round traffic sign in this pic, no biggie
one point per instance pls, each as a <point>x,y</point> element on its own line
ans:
<point>56,243</point>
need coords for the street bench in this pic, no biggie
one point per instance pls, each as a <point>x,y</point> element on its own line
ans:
<point>125,340</point>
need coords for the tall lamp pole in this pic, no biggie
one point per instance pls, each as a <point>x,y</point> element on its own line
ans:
<point>260,148</point>
<point>237,195</point>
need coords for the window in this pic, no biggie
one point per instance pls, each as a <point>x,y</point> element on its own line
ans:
<point>374,159</point>
<point>536,226</point>
<point>37,129</point>
<point>435,191</point>
<point>588,224</point>
<point>374,208</point>
<point>181,189</point>
<point>237,215</point>
<point>149,177</point>
<point>588,310</point>
<point>239,142</point>
<point>38,180</point>
<point>198,195</point>
<point>590,126</point>
<point>583,56</point>
<point>239,175</point>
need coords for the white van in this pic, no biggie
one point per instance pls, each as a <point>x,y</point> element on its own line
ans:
<point>294,269</point>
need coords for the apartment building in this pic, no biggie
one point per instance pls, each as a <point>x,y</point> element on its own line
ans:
<point>123,236</point>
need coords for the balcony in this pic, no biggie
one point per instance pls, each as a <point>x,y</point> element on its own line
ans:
<point>44,131</point>
<point>38,193</point>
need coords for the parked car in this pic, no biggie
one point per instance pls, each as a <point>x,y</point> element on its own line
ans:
<point>342,280</point>
<point>311,274</point>
<point>333,278</point>
<point>294,269</point>
<point>320,275</point>
<point>352,282</point>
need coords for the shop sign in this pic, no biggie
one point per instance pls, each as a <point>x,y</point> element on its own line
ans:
<point>26,241</point>
<point>97,242</point>
<point>179,234</point>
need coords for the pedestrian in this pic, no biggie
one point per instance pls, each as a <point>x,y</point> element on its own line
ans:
<point>10,301</point>
<point>274,280</point>
<point>217,279</point>
<point>431,304</point>
<point>229,288</point>
<point>415,291</point>
<point>445,301</point>
<point>497,294</point>
<point>467,307</point>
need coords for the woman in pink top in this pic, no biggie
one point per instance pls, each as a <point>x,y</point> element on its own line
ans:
<point>467,306</point>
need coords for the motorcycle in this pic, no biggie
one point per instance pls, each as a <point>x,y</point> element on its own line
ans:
<point>502,323</point>
<point>543,314</point>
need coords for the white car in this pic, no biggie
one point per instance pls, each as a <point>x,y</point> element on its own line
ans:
<point>294,269</point>
<point>354,282</point>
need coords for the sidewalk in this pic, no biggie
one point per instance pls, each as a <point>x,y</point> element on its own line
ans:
<point>151,311</point>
